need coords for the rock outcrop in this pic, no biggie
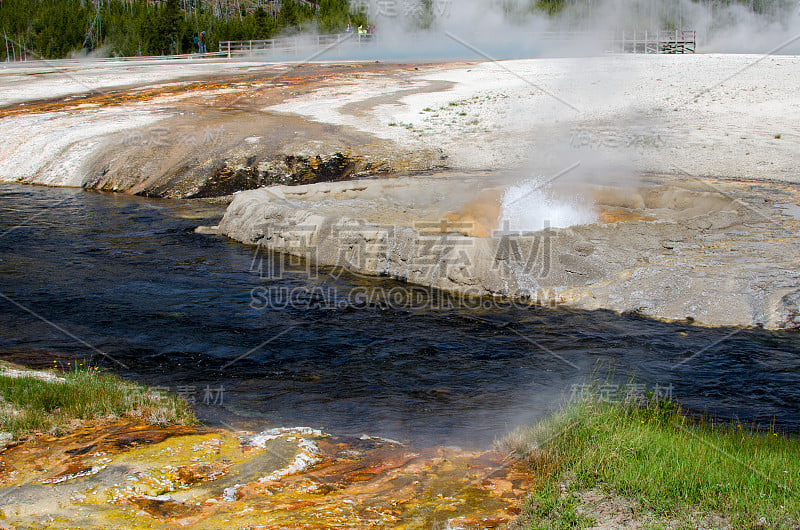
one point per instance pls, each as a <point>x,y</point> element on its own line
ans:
<point>717,253</point>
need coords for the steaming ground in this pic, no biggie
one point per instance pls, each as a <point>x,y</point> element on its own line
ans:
<point>734,116</point>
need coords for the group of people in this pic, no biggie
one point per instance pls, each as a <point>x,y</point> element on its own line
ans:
<point>199,42</point>
<point>362,30</point>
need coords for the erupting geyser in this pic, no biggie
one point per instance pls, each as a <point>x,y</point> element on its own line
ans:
<point>531,206</point>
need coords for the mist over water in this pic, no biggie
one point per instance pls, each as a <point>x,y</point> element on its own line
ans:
<point>469,29</point>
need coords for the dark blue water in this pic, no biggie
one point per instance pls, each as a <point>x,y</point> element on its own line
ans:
<point>125,281</point>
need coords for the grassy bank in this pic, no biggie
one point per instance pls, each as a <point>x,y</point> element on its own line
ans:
<point>660,466</point>
<point>38,401</point>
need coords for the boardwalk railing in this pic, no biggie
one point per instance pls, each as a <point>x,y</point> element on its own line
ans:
<point>633,41</point>
<point>290,44</point>
<point>670,41</point>
<point>623,41</point>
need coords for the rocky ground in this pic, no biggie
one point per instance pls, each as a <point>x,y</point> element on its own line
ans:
<point>183,130</point>
<point>710,251</point>
<point>124,472</point>
<point>134,475</point>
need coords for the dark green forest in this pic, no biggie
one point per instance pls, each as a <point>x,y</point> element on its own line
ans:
<point>50,29</point>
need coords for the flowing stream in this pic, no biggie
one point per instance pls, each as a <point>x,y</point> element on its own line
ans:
<point>263,340</point>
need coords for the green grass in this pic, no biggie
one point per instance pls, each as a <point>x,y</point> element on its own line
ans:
<point>547,508</point>
<point>32,405</point>
<point>667,463</point>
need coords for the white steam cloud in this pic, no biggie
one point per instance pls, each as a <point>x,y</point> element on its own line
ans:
<point>508,29</point>
<point>529,207</point>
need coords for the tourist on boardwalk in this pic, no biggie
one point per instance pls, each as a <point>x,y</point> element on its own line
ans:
<point>202,43</point>
<point>196,44</point>
<point>348,29</point>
